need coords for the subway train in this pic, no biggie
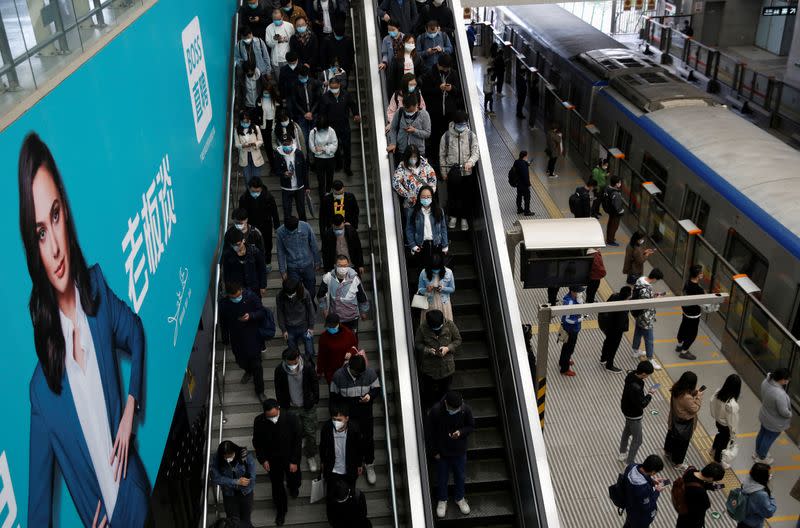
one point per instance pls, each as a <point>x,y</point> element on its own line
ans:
<point>735,181</point>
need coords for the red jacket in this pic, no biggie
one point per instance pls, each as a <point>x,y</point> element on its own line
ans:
<point>332,349</point>
<point>598,270</point>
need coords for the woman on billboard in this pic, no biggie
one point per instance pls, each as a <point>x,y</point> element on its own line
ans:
<point>78,418</point>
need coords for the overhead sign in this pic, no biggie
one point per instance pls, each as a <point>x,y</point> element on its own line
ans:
<point>779,11</point>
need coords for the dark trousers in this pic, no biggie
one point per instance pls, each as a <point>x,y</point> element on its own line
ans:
<point>278,473</point>
<point>676,446</point>
<point>343,152</point>
<point>352,325</point>
<point>591,290</point>
<point>446,464</point>
<point>239,507</point>
<point>433,390</point>
<point>421,259</point>
<point>488,102</point>
<point>501,78</point>
<point>363,417</point>
<point>611,228</point>
<point>567,349</point>
<point>551,165</point>
<point>721,441</point>
<point>610,346</point>
<point>459,197</point>
<point>687,332</point>
<point>305,275</point>
<point>524,197</point>
<point>325,170</point>
<point>552,295</point>
<point>266,135</point>
<point>521,96</point>
<point>299,199</point>
<point>252,365</point>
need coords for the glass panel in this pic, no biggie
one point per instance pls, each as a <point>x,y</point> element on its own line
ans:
<point>681,248</point>
<point>625,175</point>
<point>689,203</point>
<point>701,219</point>
<point>705,258</point>
<point>662,229</point>
<point>745,259</point>
<point>737,303</point>
<point>721,283</point>
<point>643,197</point>
<point>764,340</point>
<point>585,140</point>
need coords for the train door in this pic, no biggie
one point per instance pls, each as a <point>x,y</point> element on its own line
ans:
<point>794,322</point>
<point>653,171</point>
<point>695,209</point>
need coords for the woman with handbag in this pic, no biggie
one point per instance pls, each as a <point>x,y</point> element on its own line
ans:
<point>436,284</point>
<point>685,404</point>
<point>725,411</point>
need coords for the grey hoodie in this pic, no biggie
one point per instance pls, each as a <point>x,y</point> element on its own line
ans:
<point>776,413</point>
<point>295,378</point>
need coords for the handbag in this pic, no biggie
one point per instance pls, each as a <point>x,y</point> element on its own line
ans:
<point>563,335</point>
<point>420,301</point>
<point>729,453</point>
<point>319,489</point>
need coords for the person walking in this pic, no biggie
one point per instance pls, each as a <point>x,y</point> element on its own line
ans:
<point>336,344</point>
<point>322,144</point>
<point>437,284</point>
<point>298,254</point>
<point>520,178</point>
<point>249,141</point>
<point>642,489</point>
<point>338,201</point>
<point>251,233</point>
<point>760,504</point>
<point>489,80</point>
<point>613,325</point>
<point>408,85</point>
<point>437,342</point>
<point>645,319</point>
<point>406,61</point>
<point>234,471</point>
<point>450,422</point>
<point>346,506</point>
<point>337,105</point>
<point>241,313</point>
<point>341,238</point>
<point>555,148</point>
<point>684,405</point>
<point>265,115</point>
<point>596,273</point>
<point>571,326</point>
<point>243,263</point>
<point>690,316</point>
<point>297,392</point>
<point>404,12</point>
<point>262,213</point>
<point>277,36</point>
<point>775,414</point>
<point>254,15</point>
<point>696,486</point>
<point>412,173</point>
<point>458,154</point>
<point>358,386</point>
<point>291,168</point>
<point>725,411</point>
<point>342,293</point>
<point>341,448</point>
<point>294,307</point>
<point>304,101</point>
<point>635,257</point>
<point>277,440</point>
<point>611,198</point>
<point>252,50</point>
<point>633,402</point>
<point>391,45</point>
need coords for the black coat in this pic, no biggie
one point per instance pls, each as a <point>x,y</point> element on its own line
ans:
<point>280,167</point>
<point>246,341</point>
<point>634,399</point>
<point>354,457</point>
<point>584,204</point>
<point>307,53</point>
<point>522,171</point>
<point>277,442</point>
<point>349,514</point>
<point>288,78</point>
<point>443,14</point>
<point>353,247</point>
<point>441,424</point>
<point>405,14</point>
<point>262,212</point>
<point>310,386</point>
<point>250,271</point>
<point>338,109</point>
<point>437,102</point>
<point>395,73</point>
<point>327,211</point>
<point>340,52</point>
<point>614,322</point>
<point>305,98</point>
<point>246,15</point>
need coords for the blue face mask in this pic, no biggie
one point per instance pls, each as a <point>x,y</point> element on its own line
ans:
<point>286,9</point>
<point>252,6</point>
<point>412,88</point>
<point>333,331</point>
<point>393,34</point>
<point>460,127</point>
<point>267,95</point>
<point>339,37</point>
<point>436,270</point>
<point>244,124</point>
<point>303,79</point>
<point>277,22</point>
<point>409,114</point>
<point>426,202</point>
<point>301,29</point>
<point>433,35</point>
<point>338,232</point>
<point>451,412</point>
<point>255,194</point>
<point>437,329</point>
<point>237,299</point>
<point>287,148</point>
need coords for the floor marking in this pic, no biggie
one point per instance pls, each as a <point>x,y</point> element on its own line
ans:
<point>696,363</point>
<point>773,469</point>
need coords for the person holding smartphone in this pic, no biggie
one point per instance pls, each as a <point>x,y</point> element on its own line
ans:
<point>642,489</point>
<point>437,341</point>
<point>633,402</point>
<point>685,404</point>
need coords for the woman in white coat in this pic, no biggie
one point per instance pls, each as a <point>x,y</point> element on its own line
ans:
<point>322,144</point>
<point>248,140</point>
<point>725,411</point>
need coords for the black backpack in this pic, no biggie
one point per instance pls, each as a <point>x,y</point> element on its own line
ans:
<point>617,492</point>
<point>606,201</point>
<point>512,177</point>
<point>575,203</point>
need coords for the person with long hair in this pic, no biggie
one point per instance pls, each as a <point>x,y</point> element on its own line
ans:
<point>426,229</point>
<point>408,85</point>
<point>725,411</point>
<point>760,502</point>
<point>635,256</point>
<point>249,141</point>
<point>436,282</point>
<point>79,419</point>
<point>412,173</point>
<point>684,404</point>
<point>234,470</point>
<point>406,61</point>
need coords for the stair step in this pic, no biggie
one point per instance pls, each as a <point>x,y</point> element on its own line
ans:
<point>488,508</point>
<point>241,423</point>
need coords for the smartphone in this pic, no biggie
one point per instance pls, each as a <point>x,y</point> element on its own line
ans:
<point>666,482</point>
<point>702,388</point>
<point>655,386</point>
<point>718,486</point>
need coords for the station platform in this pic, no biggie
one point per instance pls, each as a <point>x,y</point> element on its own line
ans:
<point>582,419</point>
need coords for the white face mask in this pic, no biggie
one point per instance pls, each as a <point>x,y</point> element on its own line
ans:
<point>409,47</point>
<point>341,271</point>
<point>248,41</point>
<point>229,460</point>
<point>338,424</point>
<point>292,367</point>
<point>273,419</point>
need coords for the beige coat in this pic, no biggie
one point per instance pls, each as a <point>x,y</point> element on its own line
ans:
<point>686,407</point>
<point>254,150</point>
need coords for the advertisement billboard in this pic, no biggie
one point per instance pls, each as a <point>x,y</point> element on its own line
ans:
<point>109,210</point>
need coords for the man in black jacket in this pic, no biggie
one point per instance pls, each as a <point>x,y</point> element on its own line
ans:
<point>522,181</point>
<point>304,100</point>
<point>262,213</point>
<point>276,437</point>
<point>297,392</point>
<point>338,50</point>
<point>613,325</point>
<point>287,76</point>
<point>243,263</point>
<point>690,318</point>
<point>634,400</point>
<point>252,13</point>
<point>522,89</point>
<point>450,422</point>
<point>240,314</point>
<point>583,195</point>
<point>441,89</point>
<point>614,206</point>
<point>347,507</point>
<point>340,202</point>
<point>340,431</point>
<point>252,235</point>
<point>697,484</point>
<point>339,237</point>
<point>337,105</point>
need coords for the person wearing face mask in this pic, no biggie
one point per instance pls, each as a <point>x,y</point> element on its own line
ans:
<point>426,229</point>
<point>249,87</point>
<point>262,214</point>
<point>291,168</point>
<point>277,37</point>
<point>249,141</point>
<point>323,144</point>
<point>305,44</point>
<point>252,50</point>
<point>304,100</point>
<point>342,293</point>
<point>340,238</point>
<point>337,105</point>
<point>391,44</point>
<point>635,257</point>
<point>346,506</point>
<point>437,283</point>
<point>612,202</point>
<point>294,307</point>
<point>411,174</point>
<point>443,14</point>
<point>341,448</point>
<point>571,325</point>
<point>243,262</point>
<point>450,422</point>
<point>458,154</point>
<point>406,62</point>
<point>264,114</point>
<point>442,90</point>
<point>760,503</point>
<point>403,11</point>
<point>690,315</point>
<point>240,314</point>
<point>285,126</point>
<point>408,86</point>
<point>437,341</point>
<point>358,386</point>
<point>432,44</point>
<point>298,254</point>
<point>325,13</point>
<point>234,471</point>
<point>335,345</point>
<point>292,13</point>
<point>254,15</point>
<point>288,76</point>
<point>297,392</point>
<point>277,439</point>
<point>251,233</point>
<point>412,126</point>
<point>341,202</point>
<point>775,414</point>
<point>338,50</point>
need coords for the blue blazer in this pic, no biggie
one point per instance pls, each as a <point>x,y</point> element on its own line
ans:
<point>56,436</point>
<point>415,230</point>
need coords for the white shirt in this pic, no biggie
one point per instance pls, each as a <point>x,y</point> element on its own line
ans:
<point>279,49</point>
<point>340,448</point>
<point>268,114</point>
<point>290,166</point>
<point>326,16</point>
<point>427,233</point>
<point>90,402</point>
<point>408,64</point>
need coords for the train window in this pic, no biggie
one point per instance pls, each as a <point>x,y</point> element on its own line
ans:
<point>623,141</point>
<point>745,259</point>
<point>695,209</point>
<point>653,171</point>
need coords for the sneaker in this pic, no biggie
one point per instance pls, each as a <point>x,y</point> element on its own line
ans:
<point>687,355</point>
<point>520,211</point>
<point>569,373</point>
<point>622,457</point>
<point>371,477</point>
<point>553,176</point>
<point>678,348</point>
<point>529,213</point>
<point>613,368</point>
<point>246,377</point>
<point>463,506</point>
<point>635,353</point>
<point>615,243</point>
<point>464,225</point>
<point>655,363</point>
<point>452,223</point>
<point>680,468</point>
<point>312,465</point>
<point>603,360</point>
<point>768,460</point>
<point>441,509</point>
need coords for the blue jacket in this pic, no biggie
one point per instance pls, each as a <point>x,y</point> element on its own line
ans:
<point>760,505</point>
<point>297,249</point>
<point>387,49</point>
<point>245,339</point>
<point>641,497</point>
<point>571,323</point>
<point>56,436</point>
<point>448,284</point>
<point>415,230</point>
<point>424,43</point>
<point>227,475</point>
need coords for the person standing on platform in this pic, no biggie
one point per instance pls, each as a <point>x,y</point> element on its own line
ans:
<point>684,404</point>
<point>775,414</point>
<point>635,257</point>
<point>342,293</point>
<point>596,274</point>
<point>450,422</point>
<point>336,344</point>
<point>615,207</point>
<point>760,501</point>
<point>295,311</point>
<point>696,485</point>
<point>277,440</point>
<point>499,64</point>
<point>690,317</point>
<point>341,448</point>
<point>725,411</point>
<point>633,402</point>
<point>642,490</point>
<point>489,81</point>
<point>262,214</point>
<point>437,341</point>
<point>341,202</point>
<point>645,319</point>
<point>521,179</point>
<point>471,40</point>
<point>346,506</point>
<point>555,148</point>
<point>522,89</point>
<point>298,254</point>
<point>613,325</point>
<point>297,392</point>
<point>600,175</point>
<point>458,154</point>
<point>580,202</point>
<point>571,325</point>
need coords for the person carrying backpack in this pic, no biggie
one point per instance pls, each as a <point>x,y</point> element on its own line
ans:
<point>580,202</point>
<point>611,200</point>
<point>642,489</point>
<point>751,504</point>
<point>690,494</point>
